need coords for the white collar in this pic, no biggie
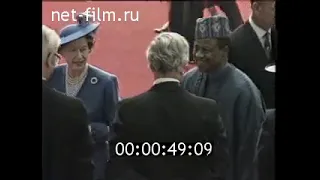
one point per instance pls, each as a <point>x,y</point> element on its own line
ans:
<point>162,80</point>
<point>44,79</point>
<point>259,31</point>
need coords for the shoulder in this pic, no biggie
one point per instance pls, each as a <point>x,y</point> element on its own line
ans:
<point>242,80</point>
<point>58,71</point>
<point>238,34</point>
<point>60,68</point>
<point>205,109</point>
<point>203,103</point>
<point>133,101</point>
<point>62,107</point>
<point>190,75</point>
<point>245,85</point>
<point>102,74</point>
<point>64,102</point>
<point>105,77</point>
<point>191,72</point>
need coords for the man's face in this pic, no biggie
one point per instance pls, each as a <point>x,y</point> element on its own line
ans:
<point>207,54</point>
<point>265,11</point>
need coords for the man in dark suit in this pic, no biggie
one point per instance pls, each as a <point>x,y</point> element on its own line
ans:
<point>168,113</point>
<point>66,142</point>
<point>253,47</point>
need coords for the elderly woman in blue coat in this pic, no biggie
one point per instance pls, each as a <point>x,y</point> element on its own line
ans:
<point>98,89</point>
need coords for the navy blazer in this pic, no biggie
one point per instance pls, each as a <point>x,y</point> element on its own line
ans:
<point>100,98</point>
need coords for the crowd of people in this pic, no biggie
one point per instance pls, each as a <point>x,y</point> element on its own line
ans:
<point>227,100</point>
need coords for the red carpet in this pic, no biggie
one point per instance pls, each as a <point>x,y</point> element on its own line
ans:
<point>120,47</point>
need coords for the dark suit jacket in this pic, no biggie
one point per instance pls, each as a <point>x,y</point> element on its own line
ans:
<point>168,113</point>
<point>66,143</point>
<point>247,54</point>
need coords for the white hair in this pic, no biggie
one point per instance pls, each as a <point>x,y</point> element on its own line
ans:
<point>168,52</point>
<point>50,42</point>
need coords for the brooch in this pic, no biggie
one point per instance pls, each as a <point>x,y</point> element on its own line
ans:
<point>94,80</point>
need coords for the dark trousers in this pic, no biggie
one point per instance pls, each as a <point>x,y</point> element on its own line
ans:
<point>183,16</point>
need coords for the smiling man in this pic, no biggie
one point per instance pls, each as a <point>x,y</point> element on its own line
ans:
<point>240,102</point>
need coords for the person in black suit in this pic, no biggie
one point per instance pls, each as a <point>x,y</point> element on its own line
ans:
<point>254,46</point>
<point>66,142</point>
<point>183,16</point>
<point>168,113</point>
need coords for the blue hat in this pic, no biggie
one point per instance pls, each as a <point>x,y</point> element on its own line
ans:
<point>216,26</point>
<point>85,26</point>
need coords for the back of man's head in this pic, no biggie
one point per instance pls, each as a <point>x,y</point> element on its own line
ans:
<point>50,41</point>
<point>168,52</point>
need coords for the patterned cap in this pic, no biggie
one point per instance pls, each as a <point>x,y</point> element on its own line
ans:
<point>216,26</point>
<point>85,26</point>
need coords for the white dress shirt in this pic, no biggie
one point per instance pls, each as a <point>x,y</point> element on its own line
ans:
<point>162,80</point>
<point>260,32</point>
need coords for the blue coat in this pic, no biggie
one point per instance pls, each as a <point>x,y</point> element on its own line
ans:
<point>242,110</point>
<point>100,100</point>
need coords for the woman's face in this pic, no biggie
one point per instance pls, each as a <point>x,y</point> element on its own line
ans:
<point>76,53</point>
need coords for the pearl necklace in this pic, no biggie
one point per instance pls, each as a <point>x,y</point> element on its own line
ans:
<point>73,85</point>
